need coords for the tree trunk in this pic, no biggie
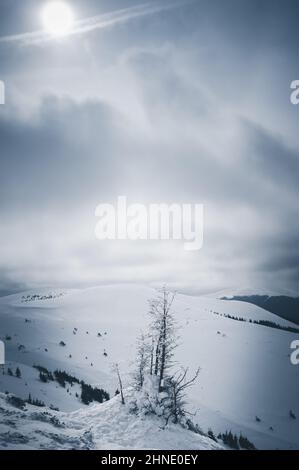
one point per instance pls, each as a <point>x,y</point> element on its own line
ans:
<point>157,361</point>
<point>152,357</point>
<point>120,386</point>
<point>163,354</point>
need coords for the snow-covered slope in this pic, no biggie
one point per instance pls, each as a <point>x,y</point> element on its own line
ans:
<point>109,426</point>
<point>245,367</point>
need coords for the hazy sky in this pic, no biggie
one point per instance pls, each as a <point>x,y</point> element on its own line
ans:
<point>186,104</point>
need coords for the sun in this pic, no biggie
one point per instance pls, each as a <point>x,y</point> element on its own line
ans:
<point>58,18</point>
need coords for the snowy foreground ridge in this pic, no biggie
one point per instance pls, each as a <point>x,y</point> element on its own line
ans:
<point>246,385</point>
<point>109,426</point>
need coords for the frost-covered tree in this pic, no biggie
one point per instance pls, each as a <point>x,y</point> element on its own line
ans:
<point>142,360</point>
<point>161,391</point>
<point>163,333</point>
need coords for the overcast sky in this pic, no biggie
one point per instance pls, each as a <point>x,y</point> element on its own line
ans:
<point>186,104</point>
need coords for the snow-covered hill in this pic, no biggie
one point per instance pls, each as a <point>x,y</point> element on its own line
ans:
<point>245,367</point>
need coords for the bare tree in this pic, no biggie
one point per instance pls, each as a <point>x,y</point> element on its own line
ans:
<point>177,388</point>
<point>143,355</point>
<point>151,354</point>
<point>164,333</point>
<point>116,369</point>
<point>155,353</point>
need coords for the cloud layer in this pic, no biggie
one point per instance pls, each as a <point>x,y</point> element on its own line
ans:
<point>169,110</point>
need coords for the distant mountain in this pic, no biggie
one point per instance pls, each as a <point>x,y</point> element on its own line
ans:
<point>248,291</point>
<point>283,306</point>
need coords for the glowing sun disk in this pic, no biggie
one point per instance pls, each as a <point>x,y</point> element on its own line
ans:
<point>57,18</point>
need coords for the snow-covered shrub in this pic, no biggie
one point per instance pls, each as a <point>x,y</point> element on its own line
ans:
<point>148,399</point>
<point>168,404</point>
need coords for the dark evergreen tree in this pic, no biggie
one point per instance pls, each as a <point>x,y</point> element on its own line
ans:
<point>292,415</point>
<point>90,394</point>
<point>245,443</point>
<point>43,377</point>
<point>211,435</point>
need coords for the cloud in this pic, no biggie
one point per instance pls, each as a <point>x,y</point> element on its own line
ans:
<point>276,161</point>
<point>168,120</point>
<point>72,156</point>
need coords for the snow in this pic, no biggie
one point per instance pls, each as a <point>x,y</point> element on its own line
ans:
<point>110,426</point>
<point>245,368</point>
